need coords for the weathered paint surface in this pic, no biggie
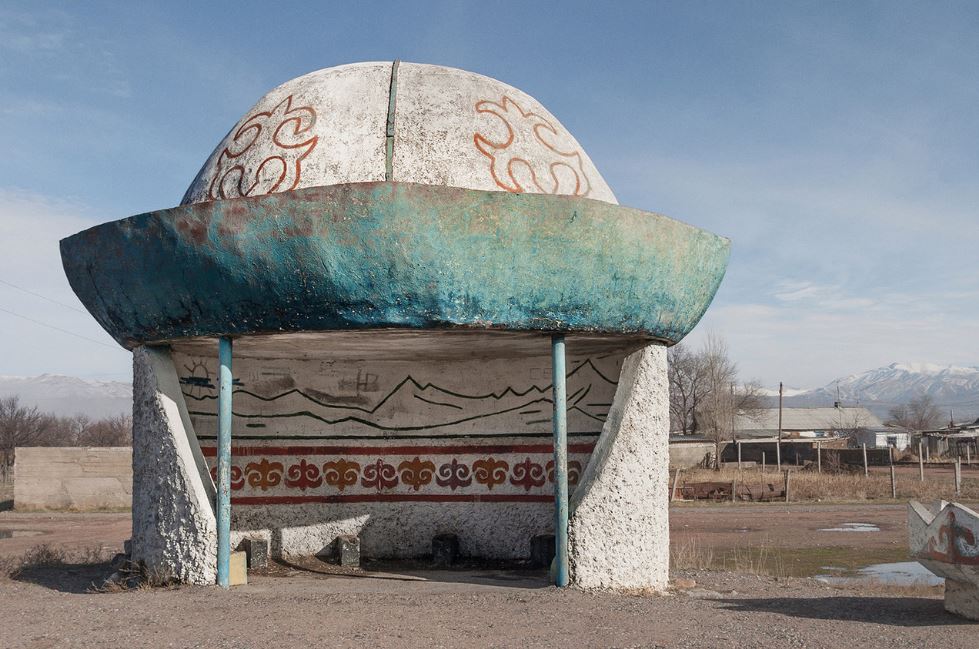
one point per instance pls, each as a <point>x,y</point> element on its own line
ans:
<point>385,254</point>
<point>461,129</point>
<point>408,122</point>
<point>323,128</point>
<point>330,397</point>
<point>945,539</point>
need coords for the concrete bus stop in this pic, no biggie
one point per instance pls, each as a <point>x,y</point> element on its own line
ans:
<point>399,301</point>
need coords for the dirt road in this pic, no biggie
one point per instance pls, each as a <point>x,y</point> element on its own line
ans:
<point>451,609</point>
<point>52,606</point>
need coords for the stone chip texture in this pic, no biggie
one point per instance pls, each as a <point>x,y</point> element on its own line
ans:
<point>174,529</point>
<point>619,528</point>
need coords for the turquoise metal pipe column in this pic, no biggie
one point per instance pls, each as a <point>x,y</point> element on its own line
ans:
<point>560,424</point>
<point>224,461</point>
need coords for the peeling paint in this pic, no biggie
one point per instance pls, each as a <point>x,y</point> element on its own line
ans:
<point>384,254</point>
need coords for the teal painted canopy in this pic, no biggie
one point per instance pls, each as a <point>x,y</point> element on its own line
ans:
<point>384,254</point>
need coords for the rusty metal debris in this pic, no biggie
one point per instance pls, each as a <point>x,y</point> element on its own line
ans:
<point>723,491</point>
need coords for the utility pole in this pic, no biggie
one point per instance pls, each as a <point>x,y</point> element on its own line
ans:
<point>778,445</point>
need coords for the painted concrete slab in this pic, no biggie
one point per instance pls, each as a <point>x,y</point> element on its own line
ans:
<point>944,537</point>
<point>72,478</point>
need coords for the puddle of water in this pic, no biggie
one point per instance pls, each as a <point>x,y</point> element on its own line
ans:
<point>903,573</point>
<point>15,534</point>
<point>852,527</point>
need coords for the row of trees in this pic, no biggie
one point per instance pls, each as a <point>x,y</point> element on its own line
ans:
<point>706,394</point>
<point>22,425</point>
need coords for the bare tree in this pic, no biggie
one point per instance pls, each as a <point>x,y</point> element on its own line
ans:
<point>27,426</point>
<point>686,375</point>
<point>704,393</point>
<point>849,423</point>
<point>19,426</point>
<point>115,431</point>
<point>918,414</point>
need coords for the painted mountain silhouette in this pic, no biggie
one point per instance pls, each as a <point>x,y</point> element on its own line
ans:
<point>414,406</point>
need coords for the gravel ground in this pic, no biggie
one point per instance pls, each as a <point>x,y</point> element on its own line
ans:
<point>50,608</point>
<point>54,606</point>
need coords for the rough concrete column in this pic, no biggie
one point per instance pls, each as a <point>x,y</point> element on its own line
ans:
<point>619,529</point>
<point>174,531</point>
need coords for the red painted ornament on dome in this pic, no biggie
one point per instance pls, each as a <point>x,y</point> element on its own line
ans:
<point>534,156</point>
<point>285,134</point>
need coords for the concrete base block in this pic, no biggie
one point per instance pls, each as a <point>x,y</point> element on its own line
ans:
<point>445,550</point>
<point>257,551</point>
<point>238,572</point>
<point>942,537</point>
<point>962,598</point>
<point>346,550</point>
<point>542,549</point>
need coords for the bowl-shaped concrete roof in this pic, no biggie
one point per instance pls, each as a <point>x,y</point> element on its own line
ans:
<point>388,195</point>
<point>403,122</point>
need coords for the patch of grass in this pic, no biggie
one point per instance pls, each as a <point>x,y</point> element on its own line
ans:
<point>775,561</point>
<point>745,559</point>
<point>46,556</point>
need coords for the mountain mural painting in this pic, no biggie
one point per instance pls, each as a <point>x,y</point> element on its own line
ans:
<point>399,399</point>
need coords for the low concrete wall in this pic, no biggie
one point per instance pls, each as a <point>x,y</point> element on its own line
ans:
<point>79,479</point>
<point>686,455</point>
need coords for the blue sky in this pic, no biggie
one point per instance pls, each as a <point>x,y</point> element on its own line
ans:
<point>836,144</point>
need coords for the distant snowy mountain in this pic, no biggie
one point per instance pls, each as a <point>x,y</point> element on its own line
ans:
<point>951,387</point>
<point>69,395</point>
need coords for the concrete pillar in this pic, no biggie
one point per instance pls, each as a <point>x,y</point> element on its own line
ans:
<point>619,530</point>
<point>174,530</point>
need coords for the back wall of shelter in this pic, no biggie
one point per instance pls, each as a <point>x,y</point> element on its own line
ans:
<point>397,451</point>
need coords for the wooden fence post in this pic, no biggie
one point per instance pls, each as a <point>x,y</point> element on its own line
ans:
<point>893,483</point>
<point>866,471</point>
<point>958,476</point>
<point>786,485</point>
<point>763,461</point>
<point>739,453</point>
<point>921,462</point>
<point>734,490</point>
<point>819,457</point>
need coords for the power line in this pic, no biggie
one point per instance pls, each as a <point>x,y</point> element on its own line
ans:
<point>65,331</point>
<point>43,297</point>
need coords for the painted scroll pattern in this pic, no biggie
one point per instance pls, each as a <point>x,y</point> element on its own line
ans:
<point>270,475</point>
<point>266,153</point>
<point>534,156</point>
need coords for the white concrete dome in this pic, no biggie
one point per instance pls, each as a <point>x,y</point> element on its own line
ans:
<point>403,122</point>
